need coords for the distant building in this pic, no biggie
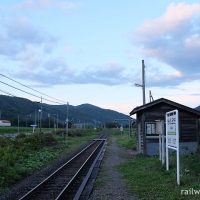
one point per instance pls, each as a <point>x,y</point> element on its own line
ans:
<point>5,123</point>
<point>148,114</point>
<point>83,125</point>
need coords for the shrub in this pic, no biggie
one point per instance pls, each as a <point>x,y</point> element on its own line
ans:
<point>21,135</point>
<point>5,142</point>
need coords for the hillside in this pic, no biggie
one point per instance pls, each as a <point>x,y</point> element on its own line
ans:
<point>12,107</point>
<point>198,108</point>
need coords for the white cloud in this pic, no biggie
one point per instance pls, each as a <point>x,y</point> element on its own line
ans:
<point>19,34</point>
<point>175,16</point>
<point>193,42</point>
<point>57,72</point>
<point>174,39</point>
<point>38,57</point>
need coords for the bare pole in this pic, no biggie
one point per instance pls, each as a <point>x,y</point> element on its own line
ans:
<point>41,115</point>
<point>49,120</point>
<point>129,127</point>
<point>57,120</point>
<point>18,123</point>
<point>143,82</point>
<point>35,116</point>
<point>67,120</point>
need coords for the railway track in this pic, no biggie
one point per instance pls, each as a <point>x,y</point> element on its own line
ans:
<point>69,180</point>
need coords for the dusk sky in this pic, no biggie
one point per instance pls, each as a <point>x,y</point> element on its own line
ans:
<point>86,51</point>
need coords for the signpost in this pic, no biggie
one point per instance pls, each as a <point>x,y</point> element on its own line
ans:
<point>34,126</point>
<point>121,129</point>
<point>160,132</point>
<point>172,138</point>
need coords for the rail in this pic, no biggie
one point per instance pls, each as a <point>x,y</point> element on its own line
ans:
<point>69,180</point>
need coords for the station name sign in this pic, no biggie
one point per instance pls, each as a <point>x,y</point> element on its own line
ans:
<point>172,139</point>
<point>172,129</point>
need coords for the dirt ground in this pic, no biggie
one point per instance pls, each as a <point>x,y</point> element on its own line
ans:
<point>110,184</point>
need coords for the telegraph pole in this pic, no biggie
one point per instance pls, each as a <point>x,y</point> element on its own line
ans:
<point>41,116</point>
<point>67,120</point>
<point>143,82</point>
<point>18,123</point>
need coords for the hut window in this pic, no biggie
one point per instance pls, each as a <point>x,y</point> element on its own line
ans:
<point>150,128</point>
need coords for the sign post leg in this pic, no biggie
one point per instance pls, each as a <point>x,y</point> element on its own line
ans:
<point>178,166</point>
<point>167,159</point>
<point>163,148</point>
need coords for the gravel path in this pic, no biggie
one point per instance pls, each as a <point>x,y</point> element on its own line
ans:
<point>110,184</point>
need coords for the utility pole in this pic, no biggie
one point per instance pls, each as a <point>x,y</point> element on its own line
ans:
<point>57,120</point>
<point>67,120</point>
<point>41,115</point>
<point>129,126</point>
<point>18,124</point>
<point>35,116</point>
<point>54,122</point>
<point>143,82</point>
<point>49,115</point>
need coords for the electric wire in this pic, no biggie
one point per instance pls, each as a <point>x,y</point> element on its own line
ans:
<point>44,106</point>
<point>7,93</point>
<point>33,89</point>
<point>29,93</point>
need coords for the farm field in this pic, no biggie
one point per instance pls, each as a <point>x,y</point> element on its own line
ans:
<point>25,154</point>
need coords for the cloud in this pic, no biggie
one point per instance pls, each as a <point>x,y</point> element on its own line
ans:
<point>47,4</point>
<point>37,56</point>
<point>175,16</point>
<point>110,74</point>
<point>174,39</point>
<point>19,34</point>
<point>57,72</point>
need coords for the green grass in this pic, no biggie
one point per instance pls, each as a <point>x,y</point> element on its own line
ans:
<point>25,154</point>
<point>14,129</point>
<point>148,179</point>
<point>124,139</point>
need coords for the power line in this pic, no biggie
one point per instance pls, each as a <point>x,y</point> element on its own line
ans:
<point>7,93</point>
<point>29,93</point>
<point>32,89</point>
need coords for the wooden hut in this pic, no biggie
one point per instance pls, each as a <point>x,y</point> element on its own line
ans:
<point>148,114</point>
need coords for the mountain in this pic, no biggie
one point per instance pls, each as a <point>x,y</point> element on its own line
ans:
<point>198,108</point>
<point>27,111</point>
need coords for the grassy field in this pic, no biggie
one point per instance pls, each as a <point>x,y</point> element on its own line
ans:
<point>125,139</point>
<point>14,129</point>
<point>149,180</point>
<point>26,153</point>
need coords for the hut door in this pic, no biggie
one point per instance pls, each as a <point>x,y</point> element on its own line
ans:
<point>140,139</point>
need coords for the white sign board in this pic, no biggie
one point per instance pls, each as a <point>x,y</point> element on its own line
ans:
<point>172,138</point>
<point>172,129</point>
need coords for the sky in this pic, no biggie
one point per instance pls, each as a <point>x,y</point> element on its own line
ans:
<point>86,51</point>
